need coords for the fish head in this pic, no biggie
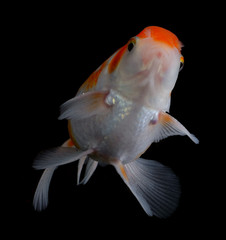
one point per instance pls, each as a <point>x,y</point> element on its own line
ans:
<point>147,67</point>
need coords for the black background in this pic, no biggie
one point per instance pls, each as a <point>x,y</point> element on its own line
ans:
<point>53,54</point>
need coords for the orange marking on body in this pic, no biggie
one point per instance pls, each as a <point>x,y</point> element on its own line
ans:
<point>116,59</point>
<point>123,172</point>
<point>161,35</point>
<point>73,140</point>
<point>92,79</point>
<point>70,143</point>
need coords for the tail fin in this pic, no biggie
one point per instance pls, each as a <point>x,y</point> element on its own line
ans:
<point>154,185</point>
<point>50,160</point>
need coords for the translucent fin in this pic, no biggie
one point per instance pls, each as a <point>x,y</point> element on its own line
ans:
<point>49,160</point>
<point>154,185</point>
<point>40,200</point>
<point>169,126</point>
<point>90,168</point>
<point>80,166</point>
<point>84,106</point>
<point>58,156</point>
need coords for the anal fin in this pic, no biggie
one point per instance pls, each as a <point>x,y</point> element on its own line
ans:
<point>90,168</point>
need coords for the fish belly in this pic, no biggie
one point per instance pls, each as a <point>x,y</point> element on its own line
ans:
<point>121,134</point>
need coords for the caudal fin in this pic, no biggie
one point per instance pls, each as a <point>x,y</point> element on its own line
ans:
<point>154,185</point>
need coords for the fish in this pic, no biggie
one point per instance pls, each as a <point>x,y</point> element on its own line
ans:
<point>118,112</point>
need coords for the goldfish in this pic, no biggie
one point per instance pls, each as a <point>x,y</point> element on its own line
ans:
<point>117,113</point>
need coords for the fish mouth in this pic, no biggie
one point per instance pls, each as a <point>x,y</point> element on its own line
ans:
<point>151,72</point>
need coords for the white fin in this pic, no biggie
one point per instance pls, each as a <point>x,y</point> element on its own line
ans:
<point>40,200</point>
<point>90,168</point>
<point>58,156</point>
<point>80,166</point>
<point>84,106</point>
<point>169,126</point>
<point>49,160</point>
<point>154,185</point>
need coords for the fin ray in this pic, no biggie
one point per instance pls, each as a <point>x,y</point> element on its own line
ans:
<point>58,156</point>
<point>49,160</point>
<point>154,185</point>
<point>90,168</point>
<point>84,106</point>
<point>80,166</point>
<point>40,200</point>
<point>169,126</point>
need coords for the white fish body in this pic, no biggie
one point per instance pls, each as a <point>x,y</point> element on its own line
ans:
<point>117,114</point>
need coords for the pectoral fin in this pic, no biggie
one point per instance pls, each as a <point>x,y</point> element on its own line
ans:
<point>84,106</point>
<point>169,126</point>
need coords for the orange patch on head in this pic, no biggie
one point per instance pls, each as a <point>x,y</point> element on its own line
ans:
<point>116,59</point>
<point>161,35</point>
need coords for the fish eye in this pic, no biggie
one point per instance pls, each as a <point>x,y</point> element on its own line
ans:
<point>181,63</point>
<point>131,45</point>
